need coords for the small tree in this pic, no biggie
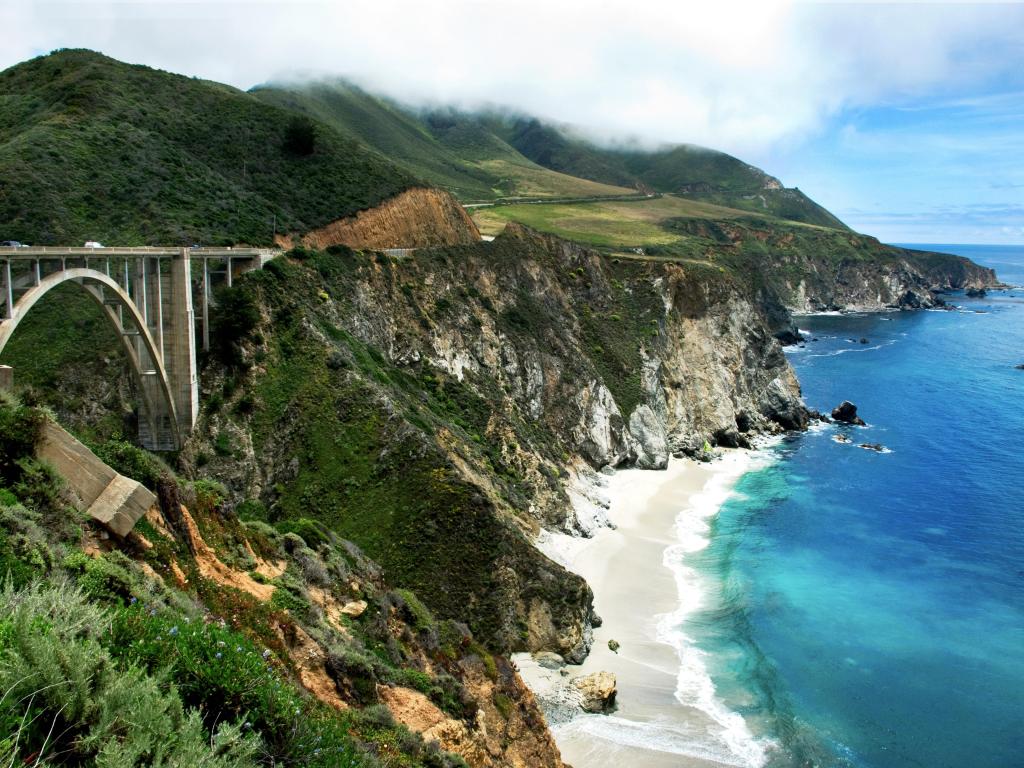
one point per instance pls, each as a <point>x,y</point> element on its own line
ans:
<point>300,136</point>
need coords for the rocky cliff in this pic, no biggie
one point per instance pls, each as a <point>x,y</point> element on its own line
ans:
<point>799,268</point>
<point>417,218</point>
<point>438,410</point>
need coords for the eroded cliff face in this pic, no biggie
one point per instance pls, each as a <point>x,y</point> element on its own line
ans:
<point>909,280</point>
<point>621,363</point>
<point>437,409</point>
<point>417,218</point>
<point>793,268</point>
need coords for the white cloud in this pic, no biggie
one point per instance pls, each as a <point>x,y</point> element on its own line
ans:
<point>745,77</point>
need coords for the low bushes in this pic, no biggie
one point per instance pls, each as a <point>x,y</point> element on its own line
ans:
<point>64,695</point>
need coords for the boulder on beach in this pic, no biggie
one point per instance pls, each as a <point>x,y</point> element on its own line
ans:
<point>597,692</point>
<point>613,645</point>
<point>549,660</point>
<point>846,412</point>
<point>730,437</point>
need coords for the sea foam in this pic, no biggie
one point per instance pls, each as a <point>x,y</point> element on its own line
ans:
<point>694,685</point>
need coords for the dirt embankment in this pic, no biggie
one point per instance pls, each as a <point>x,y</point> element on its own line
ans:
<point>417,218</point>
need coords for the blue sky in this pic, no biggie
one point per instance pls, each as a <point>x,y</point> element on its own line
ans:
<point>937,169</point>
<point>907,120</point>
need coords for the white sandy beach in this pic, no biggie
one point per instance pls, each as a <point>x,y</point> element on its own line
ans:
<point>639,599</point>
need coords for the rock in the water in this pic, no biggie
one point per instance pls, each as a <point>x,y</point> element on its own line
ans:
<point>976,292</point>
<point>597,692</point>
<point>846,412</point>
<point>1019,367</point>
<point>613,646</point>
<point>789,336</point>
<point>876,447</point>
<point>549,660</point>
<point>863,340</point>
<point>841,438</point>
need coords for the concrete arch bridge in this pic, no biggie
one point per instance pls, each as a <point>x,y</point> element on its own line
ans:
<point>150,297</point>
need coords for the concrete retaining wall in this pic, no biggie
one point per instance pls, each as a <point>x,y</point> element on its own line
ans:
<point>112,499</point>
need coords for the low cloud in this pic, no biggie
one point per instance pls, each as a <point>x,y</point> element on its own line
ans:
<point>746,78</point>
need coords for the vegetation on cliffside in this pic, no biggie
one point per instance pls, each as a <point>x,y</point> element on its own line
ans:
<point>204,640</point>
<point>95,149</point>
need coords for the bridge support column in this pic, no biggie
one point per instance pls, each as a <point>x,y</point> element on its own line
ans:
<point>8,291</point>
<point>180,343</point>
<point>172,317</point>
<point>6,378</point>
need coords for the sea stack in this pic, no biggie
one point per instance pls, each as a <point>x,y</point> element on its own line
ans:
<point>846,412</point>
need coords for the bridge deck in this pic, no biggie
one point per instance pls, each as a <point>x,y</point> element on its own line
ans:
<point>55,252</point>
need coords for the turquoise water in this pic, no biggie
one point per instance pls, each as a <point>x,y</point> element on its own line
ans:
<point>868,609</point>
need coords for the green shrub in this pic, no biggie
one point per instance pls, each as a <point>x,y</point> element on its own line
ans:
<point>67,700</point>
<point>503,703</point>
<point>209,494</point>
<point>358,673</point>
<point>222,444</point>
<point>227,678</point>
<point>20,427</point>
<point>131,461</point>
<point>415,612</point>
<point>312,532</point>
<point>254,510</point>
<point>232,323</point>
<point>13,568</point>
<point>285,599</point>
<point>106,578</point>
<point>413,678</point>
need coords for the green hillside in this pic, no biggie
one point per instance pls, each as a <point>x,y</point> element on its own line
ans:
<point>694,172</point>
<point>385,127</point>
<point>92,148</point>
<point>489,155</point>
<point>458,151</point>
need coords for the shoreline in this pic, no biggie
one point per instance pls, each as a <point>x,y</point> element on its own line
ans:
<point>667,713</point>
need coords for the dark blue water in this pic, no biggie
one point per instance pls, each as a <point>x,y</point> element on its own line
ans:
<point>872,605</point>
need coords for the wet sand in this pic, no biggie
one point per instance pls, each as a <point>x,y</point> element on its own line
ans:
<point>633,592</point>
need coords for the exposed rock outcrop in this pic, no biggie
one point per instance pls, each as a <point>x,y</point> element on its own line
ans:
<point>417,218</point>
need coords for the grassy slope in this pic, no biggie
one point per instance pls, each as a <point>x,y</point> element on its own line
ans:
<point>621,223</point>
<point>452,150</point>
<point>91,148</point>
<point>700,173</point>
<point>384,127</point>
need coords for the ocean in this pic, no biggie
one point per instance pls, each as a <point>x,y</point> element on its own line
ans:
<point>866,608</point>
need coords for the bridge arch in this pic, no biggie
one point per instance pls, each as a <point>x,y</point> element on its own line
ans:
<point>154,383</point>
